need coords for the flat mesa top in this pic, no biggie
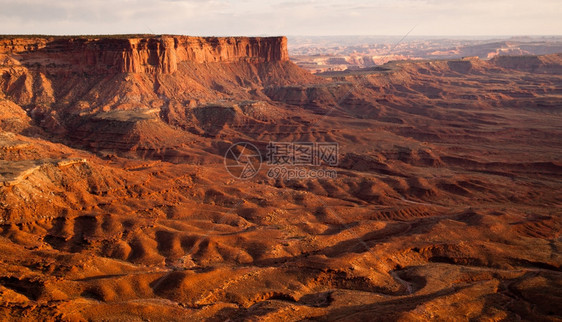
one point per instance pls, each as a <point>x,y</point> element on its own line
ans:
<point>122,36</point>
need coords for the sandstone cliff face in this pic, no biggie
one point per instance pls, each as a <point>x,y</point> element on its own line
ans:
<point>137,54</point>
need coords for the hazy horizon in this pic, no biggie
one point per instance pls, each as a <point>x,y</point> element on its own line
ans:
<point>460,37</point>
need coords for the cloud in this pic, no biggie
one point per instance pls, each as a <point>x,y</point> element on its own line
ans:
<point>307,17</point>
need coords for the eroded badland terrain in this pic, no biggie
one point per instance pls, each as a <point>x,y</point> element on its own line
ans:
<point>115,203</point>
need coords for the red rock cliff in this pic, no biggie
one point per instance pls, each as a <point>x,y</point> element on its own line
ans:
<point>138,54</point>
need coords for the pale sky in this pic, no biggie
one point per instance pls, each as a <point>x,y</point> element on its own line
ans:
<point>282,17</point>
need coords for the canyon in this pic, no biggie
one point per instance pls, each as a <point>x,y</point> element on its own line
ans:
<point>115,202</point>
<point>336,53</point>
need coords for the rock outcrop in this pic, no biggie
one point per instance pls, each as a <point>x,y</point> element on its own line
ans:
<point>136,53</point>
